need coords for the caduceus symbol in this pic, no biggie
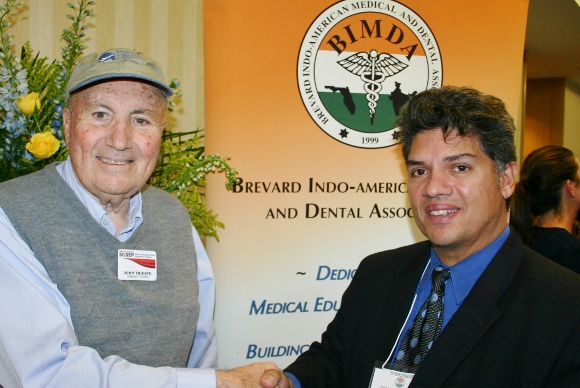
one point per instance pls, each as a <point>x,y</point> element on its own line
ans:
<point>373,68</point>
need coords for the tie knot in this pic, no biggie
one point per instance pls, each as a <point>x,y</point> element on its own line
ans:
<point>439,277</point>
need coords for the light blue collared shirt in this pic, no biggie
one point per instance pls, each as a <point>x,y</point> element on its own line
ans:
<point>45,353</point>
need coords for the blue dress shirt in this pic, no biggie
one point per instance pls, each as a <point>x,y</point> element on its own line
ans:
<point>45,352</point>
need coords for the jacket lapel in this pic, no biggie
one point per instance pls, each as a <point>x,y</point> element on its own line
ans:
<point>406,277</point>
<point>385,311</point>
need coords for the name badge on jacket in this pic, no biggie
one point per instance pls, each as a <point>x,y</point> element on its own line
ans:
<point>388,378</point>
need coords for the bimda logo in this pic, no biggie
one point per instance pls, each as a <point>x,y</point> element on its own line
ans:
<point>359,63</point>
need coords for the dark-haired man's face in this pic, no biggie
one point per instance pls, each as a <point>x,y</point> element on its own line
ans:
<point>457,196</point>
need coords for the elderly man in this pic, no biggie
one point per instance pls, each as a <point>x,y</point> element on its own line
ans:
<point>100,274</point>
<point>470,307</point>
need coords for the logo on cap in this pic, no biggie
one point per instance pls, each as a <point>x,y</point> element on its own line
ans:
<point>360,62</point>
<point>107,56</point>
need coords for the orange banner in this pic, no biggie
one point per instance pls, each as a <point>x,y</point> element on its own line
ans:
<point>302,96</point>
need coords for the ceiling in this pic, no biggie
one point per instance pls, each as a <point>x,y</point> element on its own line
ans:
<point>552,48</point>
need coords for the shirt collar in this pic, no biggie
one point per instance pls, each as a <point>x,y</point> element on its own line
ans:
<point>465,273</point>
<point>96,210</point>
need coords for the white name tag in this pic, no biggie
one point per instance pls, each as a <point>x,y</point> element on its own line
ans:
<point>388,378</point>
<point>137,265</point>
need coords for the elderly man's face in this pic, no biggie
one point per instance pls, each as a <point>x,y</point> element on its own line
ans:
<point>113,131</point>
<point>457,196</point>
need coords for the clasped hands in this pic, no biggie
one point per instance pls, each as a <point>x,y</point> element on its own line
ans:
<point>257,375</point>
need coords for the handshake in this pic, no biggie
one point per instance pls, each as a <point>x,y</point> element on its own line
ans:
<point>263,374</point>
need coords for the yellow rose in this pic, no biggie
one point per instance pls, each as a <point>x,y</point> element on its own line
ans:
<point>43,145</point>
<point>26,103</point>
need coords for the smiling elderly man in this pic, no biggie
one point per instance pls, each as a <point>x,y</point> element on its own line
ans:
<point>470,307</point>
<point>100,274</point>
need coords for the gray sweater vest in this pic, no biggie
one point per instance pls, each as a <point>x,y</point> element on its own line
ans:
<point>145,322</point>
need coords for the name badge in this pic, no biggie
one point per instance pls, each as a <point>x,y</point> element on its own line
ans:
<point>388,378</point>
<point>136,265</point>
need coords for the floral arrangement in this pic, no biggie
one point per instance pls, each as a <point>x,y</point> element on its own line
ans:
<point>32,95</point>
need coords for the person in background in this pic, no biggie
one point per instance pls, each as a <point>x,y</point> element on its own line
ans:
<point>75,312</point>
<point>470,307</point>
<point>546,202</point>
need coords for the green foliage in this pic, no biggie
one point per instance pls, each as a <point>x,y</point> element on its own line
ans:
<point>27,73</point>
<point>181,170</point>
<point>74,37</point>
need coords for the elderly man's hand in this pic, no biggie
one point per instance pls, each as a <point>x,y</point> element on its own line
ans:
<point>245,376</point>
<point>275,378</point>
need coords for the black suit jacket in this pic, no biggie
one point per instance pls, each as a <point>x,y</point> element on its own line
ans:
<point>518,327</point>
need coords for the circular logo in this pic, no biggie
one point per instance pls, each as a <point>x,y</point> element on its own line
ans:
<point>359,63</point>
<point>400,382</point>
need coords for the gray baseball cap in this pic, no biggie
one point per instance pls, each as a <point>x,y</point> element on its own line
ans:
<point>116,63</point>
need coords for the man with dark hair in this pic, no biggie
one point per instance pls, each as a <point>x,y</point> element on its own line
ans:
<point>467,111</point>
<point>470,307</point>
